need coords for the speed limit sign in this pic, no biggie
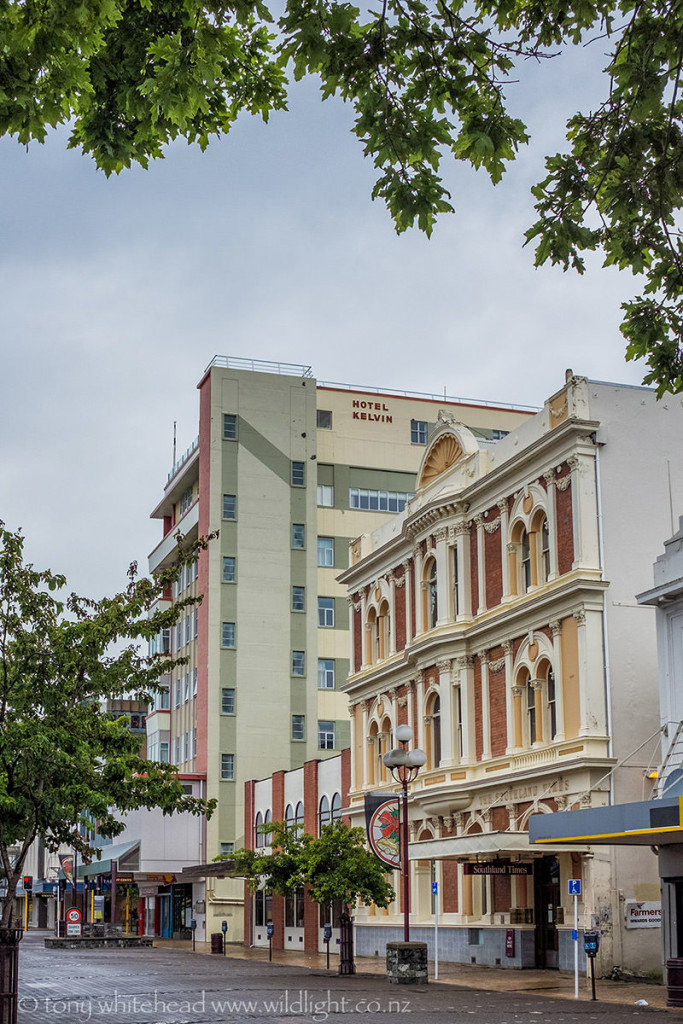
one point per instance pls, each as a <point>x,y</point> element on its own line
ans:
<point>73,915</point>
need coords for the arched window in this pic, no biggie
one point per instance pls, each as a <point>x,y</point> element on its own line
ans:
<point>525,558</point>
<point>324,812</point>
<point>258,835</point>
<point>289,816</point>
<point>531,712</point>
<point>384,630</point>
<point>336,807</point>
<point>434,715</point>
<point>552,705</point>
<point>432,601</point>
<point>372,630</point>
<point>299,819</point>
<point>266,835</point>
<point>544,537</point>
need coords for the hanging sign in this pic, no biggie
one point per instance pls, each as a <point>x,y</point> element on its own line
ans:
<point>497,868</point>
<point>383,827</point>
<point>66,862</point>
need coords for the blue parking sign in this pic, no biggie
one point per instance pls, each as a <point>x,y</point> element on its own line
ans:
<point>574,886</point>
<point>435,888</point>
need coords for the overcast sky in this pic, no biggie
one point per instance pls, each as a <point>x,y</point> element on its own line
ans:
<point>115,294</point>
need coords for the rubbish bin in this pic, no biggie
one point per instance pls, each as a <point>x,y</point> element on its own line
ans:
<point>674,982</point>
<point>217,942</point>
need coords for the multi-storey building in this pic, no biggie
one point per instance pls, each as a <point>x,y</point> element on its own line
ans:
<point>287,471</point>
<point>497,616</point>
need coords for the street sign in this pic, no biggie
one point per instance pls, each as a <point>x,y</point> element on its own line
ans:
<point>435,888</point>
<point>73,915</point>
<point>73,929</point>
<point>574,886</point>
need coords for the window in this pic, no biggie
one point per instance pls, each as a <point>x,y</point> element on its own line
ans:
<point>456,584</point>
<point>526,561</point>
<point>178,636</point>
<point>163,752</point>
<point>187,679</point>
<point>177,700</point>
<point>186,501</point>
<point>176,746</point>
<point>228,569</point>
<point>186,746</point>
<point>228,634</point>
<point>326,735</point>
<point>458,722</point>
<point>162,700</point>
<point>298,474</point>
<point>299,816</point>
<point>552,703</point>
<point>228,700</point>
<point>418,432</point>
<point>298,599</point>
<point>545,551</point>
<point>227,848</point>
<point>435,732</point>
<point>298,727</point>
<point>298,663</point>
<point>298,535</point>
<point>378,501</point>
<point>294,908</point>
<point>326,551</point>
<point>498,435</point>
<point>229,427</point>
<point>194,682</point>
<point>326,611</point>
<point>324,419</point>
<point>228,767</point>
<point>195,622</point>
<point>188,628</point>
<point>326,495</point>
<point>324,816</point>
<point>432,601</point>
<point>259,838</point>
<point>229,506</point>
<point>531,711</point>
<point>326,673</point>
<point>289,816</point>
<point>336,807</point>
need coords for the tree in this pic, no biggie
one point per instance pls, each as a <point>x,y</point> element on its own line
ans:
<point>64,761</point>
<point>423,76</point>
<point>336,867</point>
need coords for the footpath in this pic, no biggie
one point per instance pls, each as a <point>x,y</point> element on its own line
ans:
<point>556,984</point>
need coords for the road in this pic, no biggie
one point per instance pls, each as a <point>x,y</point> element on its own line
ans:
<point>175,986</point>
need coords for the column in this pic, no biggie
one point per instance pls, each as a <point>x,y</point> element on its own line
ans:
<point>442,576</point>
<point>410,696</point>
<point>462,540</point>
<point>421,709</point>
<point>509,717</point>
<point>392,615</point>
<point>503,509</point>
<point>417,563</point>
<point>446,697</point>
<point>584,511</point>
<point>549,478</point>
<point>517,695</point>
<point>591,679</point>
<point>481,563</point>
<point>485,705</point>
<point>365,707</point>
<point>409,601</point>
<point>466,666</point>
<point>556,629</point>
<point>364,628</point>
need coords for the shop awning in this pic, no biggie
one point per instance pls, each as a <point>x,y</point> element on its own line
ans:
<point>481,844</point>
<point>217,869</point>
<point>126,855</point>
<point>644,823</point>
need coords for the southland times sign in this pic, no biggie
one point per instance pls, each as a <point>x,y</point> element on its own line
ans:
<point>497,868</point>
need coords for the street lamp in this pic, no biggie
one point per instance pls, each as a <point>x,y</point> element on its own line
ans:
<point>404,765</point>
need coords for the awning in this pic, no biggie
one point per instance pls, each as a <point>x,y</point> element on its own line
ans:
<point>217,869</point>
<point>492,844</point>
<point>644,823</point>
<point>127,856</point>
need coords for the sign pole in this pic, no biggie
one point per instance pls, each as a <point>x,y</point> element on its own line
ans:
<point>574,889</point>
<point>435,894</point>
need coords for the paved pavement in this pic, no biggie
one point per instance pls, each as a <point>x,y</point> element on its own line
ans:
<point>172,985</point>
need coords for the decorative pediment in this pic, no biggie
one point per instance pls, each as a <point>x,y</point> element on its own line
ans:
<point>452,442</point>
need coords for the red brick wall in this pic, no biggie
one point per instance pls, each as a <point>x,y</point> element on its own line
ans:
<point>413,597</point>
<point>345,780</point>
<point>249,844</point>
<point>311,797</point>
<point>497,709</point>
<point>277,809</point>
<point>500,819</point>
<point>450,886</point>
<point>502,896</point>
<point>402,712</point>
<point>474,571</point>
<point>565,536</point>
<point>494,565</point>
<point>478,724</point>
<point>357,638</point>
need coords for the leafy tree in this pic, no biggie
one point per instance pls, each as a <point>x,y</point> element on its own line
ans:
<point>424,77</point>
<point>63,759</point>
<point>336,867</point>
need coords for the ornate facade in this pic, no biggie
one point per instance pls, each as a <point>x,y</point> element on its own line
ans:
<point>489,616</point>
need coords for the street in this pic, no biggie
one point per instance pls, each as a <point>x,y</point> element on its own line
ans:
<point>175,986</point>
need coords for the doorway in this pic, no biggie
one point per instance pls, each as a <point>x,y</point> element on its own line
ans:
<point>546,903</point>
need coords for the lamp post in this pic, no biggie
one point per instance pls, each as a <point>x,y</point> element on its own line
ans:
<point>404,765</point>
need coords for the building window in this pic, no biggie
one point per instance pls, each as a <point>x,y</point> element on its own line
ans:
<point>435,731</point>
<point>326,495</point>
<point>227,848</point>
<point>229,506</point>
<point>531,711</point>
<point>187,680</point>
<point>177,700</point>
<point>526,561</point>
<point>418,432</point>
<point>456,584</point>
<point>298,535</point>
<point>378,501</point>
<point>336,807</point>
<point>326,551</point>
<point>552,703</point>
<point>163,752</point>
<point>298,474</point>
<point>498,435</point>
<point>259,838</point>
<point>228,634</point>
<point>326,611</point>
<point>326,673</point>
<point>289,816</point>
<point>326,735</point>
<point>298,727</point>
<point>324,419</point>
<point>228,767</point>
<point>324,816</point>
<point>229,427</point>
<point>458,723</point>
<point>544,534</point>
<point>194,682</point>
<point>298,663</point>
<point>228,569</point>
<point>228,700</point>
<point>186,501</point>
<point>298,599</point>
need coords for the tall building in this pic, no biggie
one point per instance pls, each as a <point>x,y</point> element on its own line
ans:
<point>288,471</point>
<point>497,616</point>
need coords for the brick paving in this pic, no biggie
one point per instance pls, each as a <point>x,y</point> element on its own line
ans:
<point>172,985</point>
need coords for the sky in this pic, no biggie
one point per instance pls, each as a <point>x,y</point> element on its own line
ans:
<point>116,293</point>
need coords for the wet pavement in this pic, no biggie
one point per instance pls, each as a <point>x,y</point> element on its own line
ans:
<point>172,985</point>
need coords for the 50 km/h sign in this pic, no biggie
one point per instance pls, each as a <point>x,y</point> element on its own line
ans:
<point>73,915</point>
